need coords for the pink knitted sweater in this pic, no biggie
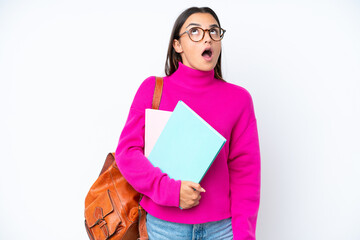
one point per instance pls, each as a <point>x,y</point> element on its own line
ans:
<point>232,183</point>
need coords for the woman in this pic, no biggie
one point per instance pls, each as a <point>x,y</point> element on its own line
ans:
<point>225,205</point>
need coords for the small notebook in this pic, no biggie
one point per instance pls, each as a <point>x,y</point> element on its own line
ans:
<point>155,121</point>
<point>186,146</point>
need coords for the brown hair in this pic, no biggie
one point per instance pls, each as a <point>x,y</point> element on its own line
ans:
<point>172,59</point>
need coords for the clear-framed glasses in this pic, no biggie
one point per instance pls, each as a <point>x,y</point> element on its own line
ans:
<point>197,34</point>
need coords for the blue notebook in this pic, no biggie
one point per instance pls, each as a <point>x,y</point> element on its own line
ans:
<point>187,145</point>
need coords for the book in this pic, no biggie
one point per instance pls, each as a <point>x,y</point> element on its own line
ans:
<point>155,121</point>
<point>186,146</point>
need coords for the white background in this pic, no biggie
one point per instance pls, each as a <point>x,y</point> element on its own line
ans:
<point>69,71</point>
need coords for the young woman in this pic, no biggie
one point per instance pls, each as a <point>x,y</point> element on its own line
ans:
<point>225,205</point>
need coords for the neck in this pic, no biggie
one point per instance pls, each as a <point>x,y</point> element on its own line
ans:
<point>191,77</point>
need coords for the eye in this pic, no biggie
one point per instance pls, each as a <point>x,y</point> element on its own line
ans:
<point>214,31</point>
<point>194,31</point>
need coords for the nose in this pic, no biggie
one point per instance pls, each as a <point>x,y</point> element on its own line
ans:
<point>207,35</point>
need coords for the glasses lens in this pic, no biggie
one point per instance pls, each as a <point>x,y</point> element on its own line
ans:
<point>216,33</point>
<point>196,33</point>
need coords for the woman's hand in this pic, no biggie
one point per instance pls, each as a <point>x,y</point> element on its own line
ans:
<point>188,196</point>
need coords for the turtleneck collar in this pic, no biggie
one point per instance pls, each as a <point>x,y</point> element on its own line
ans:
<point>191,77</point>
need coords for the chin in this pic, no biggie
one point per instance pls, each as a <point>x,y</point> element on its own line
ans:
<point>207,69</point>
<point>207,66</point>
<point>203,66</point>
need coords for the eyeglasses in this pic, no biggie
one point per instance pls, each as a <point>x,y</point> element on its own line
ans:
<point>197,34</point>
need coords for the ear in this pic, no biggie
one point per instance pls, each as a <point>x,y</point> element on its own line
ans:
<point>177,46</point>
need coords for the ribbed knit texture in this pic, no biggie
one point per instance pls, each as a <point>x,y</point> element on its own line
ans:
<point>232,183</point>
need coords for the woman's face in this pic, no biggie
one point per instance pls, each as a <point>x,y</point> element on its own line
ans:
<point>192,52</point>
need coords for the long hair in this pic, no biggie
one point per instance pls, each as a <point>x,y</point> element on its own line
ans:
<point>172,59</point>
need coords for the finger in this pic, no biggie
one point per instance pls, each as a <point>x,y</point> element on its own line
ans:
<point>196,203</point>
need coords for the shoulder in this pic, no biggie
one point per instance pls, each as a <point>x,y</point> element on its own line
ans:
<point>147,84</point>
<point>144,93</point>
<point>241,102</point>
<point>238,94</point>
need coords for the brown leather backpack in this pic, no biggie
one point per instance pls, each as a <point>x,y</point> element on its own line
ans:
<point>112,209</point>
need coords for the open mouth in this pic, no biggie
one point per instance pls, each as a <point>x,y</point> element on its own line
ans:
<point>207,53</point>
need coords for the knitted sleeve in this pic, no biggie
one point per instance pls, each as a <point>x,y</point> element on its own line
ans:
<point>130,158</point>
<point>244,171</point>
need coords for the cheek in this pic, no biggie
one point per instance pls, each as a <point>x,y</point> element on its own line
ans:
<point>218,49</point>
<point>191,49</point>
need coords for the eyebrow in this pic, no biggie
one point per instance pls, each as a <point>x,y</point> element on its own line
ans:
<point>196,24</point>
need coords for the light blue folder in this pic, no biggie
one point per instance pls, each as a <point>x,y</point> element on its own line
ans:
<point>187,145</point>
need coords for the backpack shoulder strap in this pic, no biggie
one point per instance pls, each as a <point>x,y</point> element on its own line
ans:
<point>157,93</point>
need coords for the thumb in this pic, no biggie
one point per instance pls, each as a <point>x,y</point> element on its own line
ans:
<point>196,186</point>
